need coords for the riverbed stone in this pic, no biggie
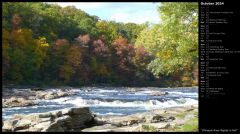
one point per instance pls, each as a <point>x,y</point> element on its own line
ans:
<point>62,94</point>
<point>17,102</point>
<point>158,93</point>
<point>49,95</point>
<point>22,124</point>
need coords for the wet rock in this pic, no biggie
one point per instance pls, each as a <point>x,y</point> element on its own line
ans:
<point>37,89</point>
<point>52,95</point>
<point>35,93</point>
<point>17,102</point>
<point>158,93</point>
<point>49,96</point>
<point>131,90</point>
<point>40,94</point>
<point>62,94</point>
<point>31,98</point>
<point>66,89</point>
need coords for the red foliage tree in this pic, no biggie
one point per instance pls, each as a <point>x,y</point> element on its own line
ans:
<point>124,52</point>
<point>83,39</point>
<point>100,48</point>
<point>16,19</point>
<point>60,42</point>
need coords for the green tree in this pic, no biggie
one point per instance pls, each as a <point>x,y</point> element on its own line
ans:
<point>5,51</point>
<point>174,41</point>
<point>108,30</point>
<point>130,31</point>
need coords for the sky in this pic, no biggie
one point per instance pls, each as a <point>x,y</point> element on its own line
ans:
<point>136,12</point>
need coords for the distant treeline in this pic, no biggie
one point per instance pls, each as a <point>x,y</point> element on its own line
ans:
<point>45,44</point>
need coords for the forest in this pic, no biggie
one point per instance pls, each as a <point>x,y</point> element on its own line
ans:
<point>48,45</point>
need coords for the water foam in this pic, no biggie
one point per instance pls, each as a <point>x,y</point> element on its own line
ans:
<point>152,104</point>
<point>109,113</point>
<point>181,93</point>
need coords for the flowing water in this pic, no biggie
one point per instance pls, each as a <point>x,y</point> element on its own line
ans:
<point>112,100</point>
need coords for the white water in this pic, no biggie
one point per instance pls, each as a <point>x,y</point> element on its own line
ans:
<point>150,104</point>
<point>112,101</point>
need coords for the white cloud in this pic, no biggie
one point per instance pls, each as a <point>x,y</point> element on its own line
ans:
<point>119,11</point>
<point>136,17</point>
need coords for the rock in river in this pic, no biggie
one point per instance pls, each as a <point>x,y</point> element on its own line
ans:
<point>52,95</point>
<point>158,93</point>
<point>37,89</point>
<point>17,102</point>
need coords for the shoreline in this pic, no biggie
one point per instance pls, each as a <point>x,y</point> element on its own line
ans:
<point>161,119</point>
<point>97,86</point>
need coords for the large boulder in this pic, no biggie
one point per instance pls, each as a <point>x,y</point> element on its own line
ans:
<point>73,119</point>
<point>17,102</point>
<point>23,124</point>
<point>7,126</point>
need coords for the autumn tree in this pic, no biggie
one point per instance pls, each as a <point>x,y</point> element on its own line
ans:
<point>122,57</point>
<point>72,62</point>
<point>100,60</point>
<point>140,60</point>
<point>23,55</point>
<point>46,44</point>
<point>54,60</point>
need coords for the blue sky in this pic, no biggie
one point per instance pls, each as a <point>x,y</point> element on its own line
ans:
<point>136,12</point>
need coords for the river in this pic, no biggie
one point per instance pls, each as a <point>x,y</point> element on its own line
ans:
<point>112,100</point>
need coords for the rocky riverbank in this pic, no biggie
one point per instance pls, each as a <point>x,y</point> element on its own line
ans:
<point>22,98</point>
<point>159,120</point>
<point>82,119</point>
<point>73,119</point>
